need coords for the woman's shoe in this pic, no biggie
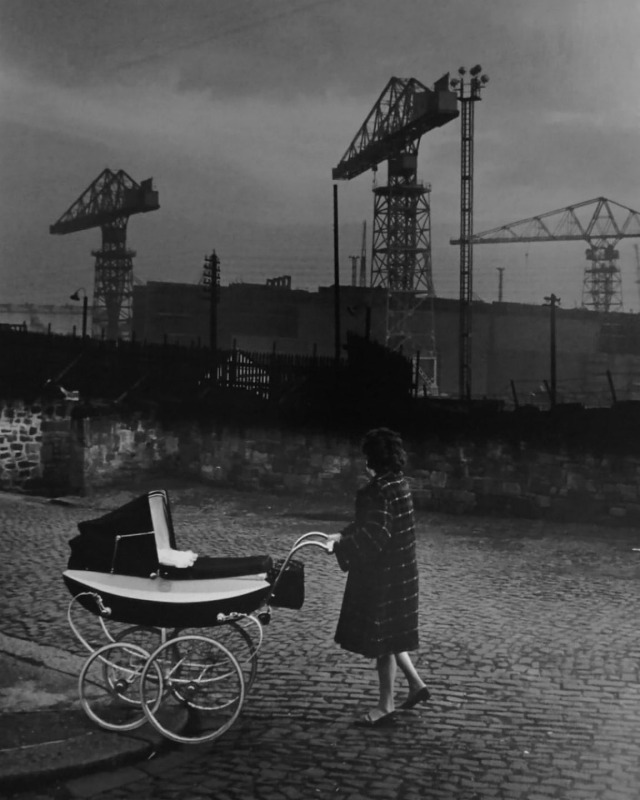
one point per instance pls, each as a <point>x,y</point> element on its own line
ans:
<point>385,721</point>
<point>421,696</point>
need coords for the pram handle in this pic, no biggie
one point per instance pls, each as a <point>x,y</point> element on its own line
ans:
<point>328,546</point>
<point>304,541</point>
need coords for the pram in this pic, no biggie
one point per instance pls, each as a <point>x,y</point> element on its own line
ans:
<point>175,661</point>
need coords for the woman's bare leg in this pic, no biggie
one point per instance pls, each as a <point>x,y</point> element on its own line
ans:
<point>403,660</point>
<point>386,666</point>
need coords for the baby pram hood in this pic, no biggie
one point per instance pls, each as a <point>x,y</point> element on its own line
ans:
<point>99,548</point>
<point>125,541</point>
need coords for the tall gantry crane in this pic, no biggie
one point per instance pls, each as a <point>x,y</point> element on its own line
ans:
<point>401,246</point>
<point>601,223</point>
<point>108,203</point>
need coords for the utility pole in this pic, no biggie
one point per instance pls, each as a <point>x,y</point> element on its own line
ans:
<point>211,279</point>
<point>635,246</point>
<point>468,94</point>
<point>85,308</point>
<point>363,255</point>
<point>336,275</point>
<point>500,282</point>
<point>552,301</point>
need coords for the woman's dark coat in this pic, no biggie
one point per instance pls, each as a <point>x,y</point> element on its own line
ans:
<point>379,613</point>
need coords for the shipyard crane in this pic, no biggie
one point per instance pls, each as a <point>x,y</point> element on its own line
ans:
<point>108,203</point>
<point>401,249</point>
<point>600,222</point>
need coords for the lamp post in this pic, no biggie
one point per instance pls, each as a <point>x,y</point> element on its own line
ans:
<point>85,306</point>
<point>468,92</point>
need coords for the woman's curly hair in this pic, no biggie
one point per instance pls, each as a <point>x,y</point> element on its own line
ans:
<point>384,450</point>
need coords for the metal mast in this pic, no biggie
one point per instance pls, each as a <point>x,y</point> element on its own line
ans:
<point>108,203</point>
<point>468,94</point>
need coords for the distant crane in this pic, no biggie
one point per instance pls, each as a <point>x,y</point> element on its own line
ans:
<point>108,203</point>
<point>401,249</point>
<point>601,223</point>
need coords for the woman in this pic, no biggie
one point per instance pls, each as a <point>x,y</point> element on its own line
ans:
<point>379,615</point>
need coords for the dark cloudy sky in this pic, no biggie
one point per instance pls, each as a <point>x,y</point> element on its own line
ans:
<point>239,109</point>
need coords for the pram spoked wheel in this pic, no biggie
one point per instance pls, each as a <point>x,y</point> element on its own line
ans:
<point>228,634</point>
<point>147,638</point>
<point>236,636</point>
<point>203,689</point>
<point>110,682</point>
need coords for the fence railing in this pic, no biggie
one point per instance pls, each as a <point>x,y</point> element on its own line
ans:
<point>89,369</point>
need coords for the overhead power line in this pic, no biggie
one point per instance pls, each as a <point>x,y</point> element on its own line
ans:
<point>257,22</point>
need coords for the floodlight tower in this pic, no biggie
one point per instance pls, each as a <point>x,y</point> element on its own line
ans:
<point>468,94</point>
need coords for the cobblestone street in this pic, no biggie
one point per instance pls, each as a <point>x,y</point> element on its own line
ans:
<point>529,644</point>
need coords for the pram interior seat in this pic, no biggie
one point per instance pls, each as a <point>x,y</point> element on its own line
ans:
<point>119,556</point>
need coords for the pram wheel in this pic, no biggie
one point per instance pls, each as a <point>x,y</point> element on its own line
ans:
<point>109,686</point>
<point>228,635</point>
<point>147,638</point>
<point>199,675</point>
<point>237,638</point>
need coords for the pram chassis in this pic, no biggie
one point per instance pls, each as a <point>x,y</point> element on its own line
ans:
<point>189,681</point>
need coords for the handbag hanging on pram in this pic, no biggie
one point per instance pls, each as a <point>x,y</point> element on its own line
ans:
<point>288,591</point>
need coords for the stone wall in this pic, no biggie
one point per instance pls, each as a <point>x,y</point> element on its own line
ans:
<point>498,478</point>
<point>493,477</point>
<point>52,451</point>
<point>20,445</point>
<point>256,458</point>
<point>36,447</point>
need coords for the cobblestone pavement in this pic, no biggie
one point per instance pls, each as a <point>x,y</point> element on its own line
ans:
<point>529,644</point>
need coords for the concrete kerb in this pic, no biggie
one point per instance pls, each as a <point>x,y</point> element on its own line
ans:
<point>67,743</point>
<point>46,656</point>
